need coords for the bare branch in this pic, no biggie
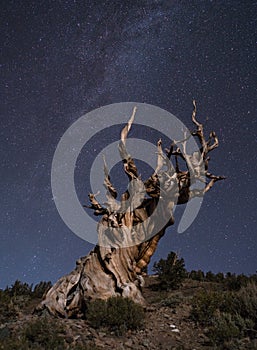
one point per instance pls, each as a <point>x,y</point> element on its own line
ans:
<point>215,143</point>
<point>98,208</point>
<point>129,165</point>
<point>160,157</point>
<point>125,130</point>
<point>107,181</point>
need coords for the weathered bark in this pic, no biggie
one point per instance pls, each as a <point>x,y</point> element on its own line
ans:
<point>129,231</point>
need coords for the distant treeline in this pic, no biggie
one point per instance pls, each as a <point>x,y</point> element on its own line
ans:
<point>24,289</point>
<point>172,272</point>
<point>232,281</point>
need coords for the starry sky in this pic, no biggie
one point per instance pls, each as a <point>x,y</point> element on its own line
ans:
<point>62,59</point>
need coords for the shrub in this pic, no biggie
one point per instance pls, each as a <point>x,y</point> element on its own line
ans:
<point>253,278</point>
<point>117,313</point>
<point>210,276</point>
<point>13,343</point>
<point>204,306</point>
<point>197,275</point>
<point>234,282</point>
<point>41,289</point>
<point>227,327</point>
<point>172,301</point>
<point>97,312</point>
<point>39,334</point>
<point>219,277</point>
<point>171,271</point>
<point>45,333</point>
<point>19,288</point>
<point>228,315</point>
<point>224,328</point>
<point>247,302</point>
<point>8,307</point>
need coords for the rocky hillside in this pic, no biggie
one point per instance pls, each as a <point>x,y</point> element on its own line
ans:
<point>197,315</point>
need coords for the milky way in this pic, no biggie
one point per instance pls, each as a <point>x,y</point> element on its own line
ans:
<point>63,59</point>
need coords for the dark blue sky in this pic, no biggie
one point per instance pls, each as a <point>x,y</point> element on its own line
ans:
<point>63,59</point>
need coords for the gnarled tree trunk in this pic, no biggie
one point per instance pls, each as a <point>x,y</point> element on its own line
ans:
<point>129,231</point>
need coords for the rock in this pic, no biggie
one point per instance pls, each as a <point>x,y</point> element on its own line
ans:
<point>175,330</point>
<point>99,343</point>
<point>102,334</point>
<point>94,332</point>
<point>129,343</point>
<point>150,309</point>
<point>77,326</point>
<point>205,330</point>
<point>110,342</point>
<point>145,343</point>
<point>69,339</point>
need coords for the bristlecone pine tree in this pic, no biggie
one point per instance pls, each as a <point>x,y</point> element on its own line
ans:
<point>129,230</point>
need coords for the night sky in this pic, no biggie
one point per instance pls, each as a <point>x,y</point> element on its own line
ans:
<point>62,59</point>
